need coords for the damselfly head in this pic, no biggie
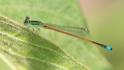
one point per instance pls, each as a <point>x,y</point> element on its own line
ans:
<point>26,21</point>
<point>27,17</point>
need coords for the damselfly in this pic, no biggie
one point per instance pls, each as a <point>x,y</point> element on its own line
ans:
<point>57,28</point>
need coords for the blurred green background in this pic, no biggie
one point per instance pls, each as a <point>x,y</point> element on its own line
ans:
<point>106,22</point>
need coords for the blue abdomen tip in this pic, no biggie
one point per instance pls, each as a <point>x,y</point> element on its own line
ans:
<point>108,48</point>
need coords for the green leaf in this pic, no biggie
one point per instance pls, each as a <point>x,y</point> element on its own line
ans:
<point>22,49</point>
